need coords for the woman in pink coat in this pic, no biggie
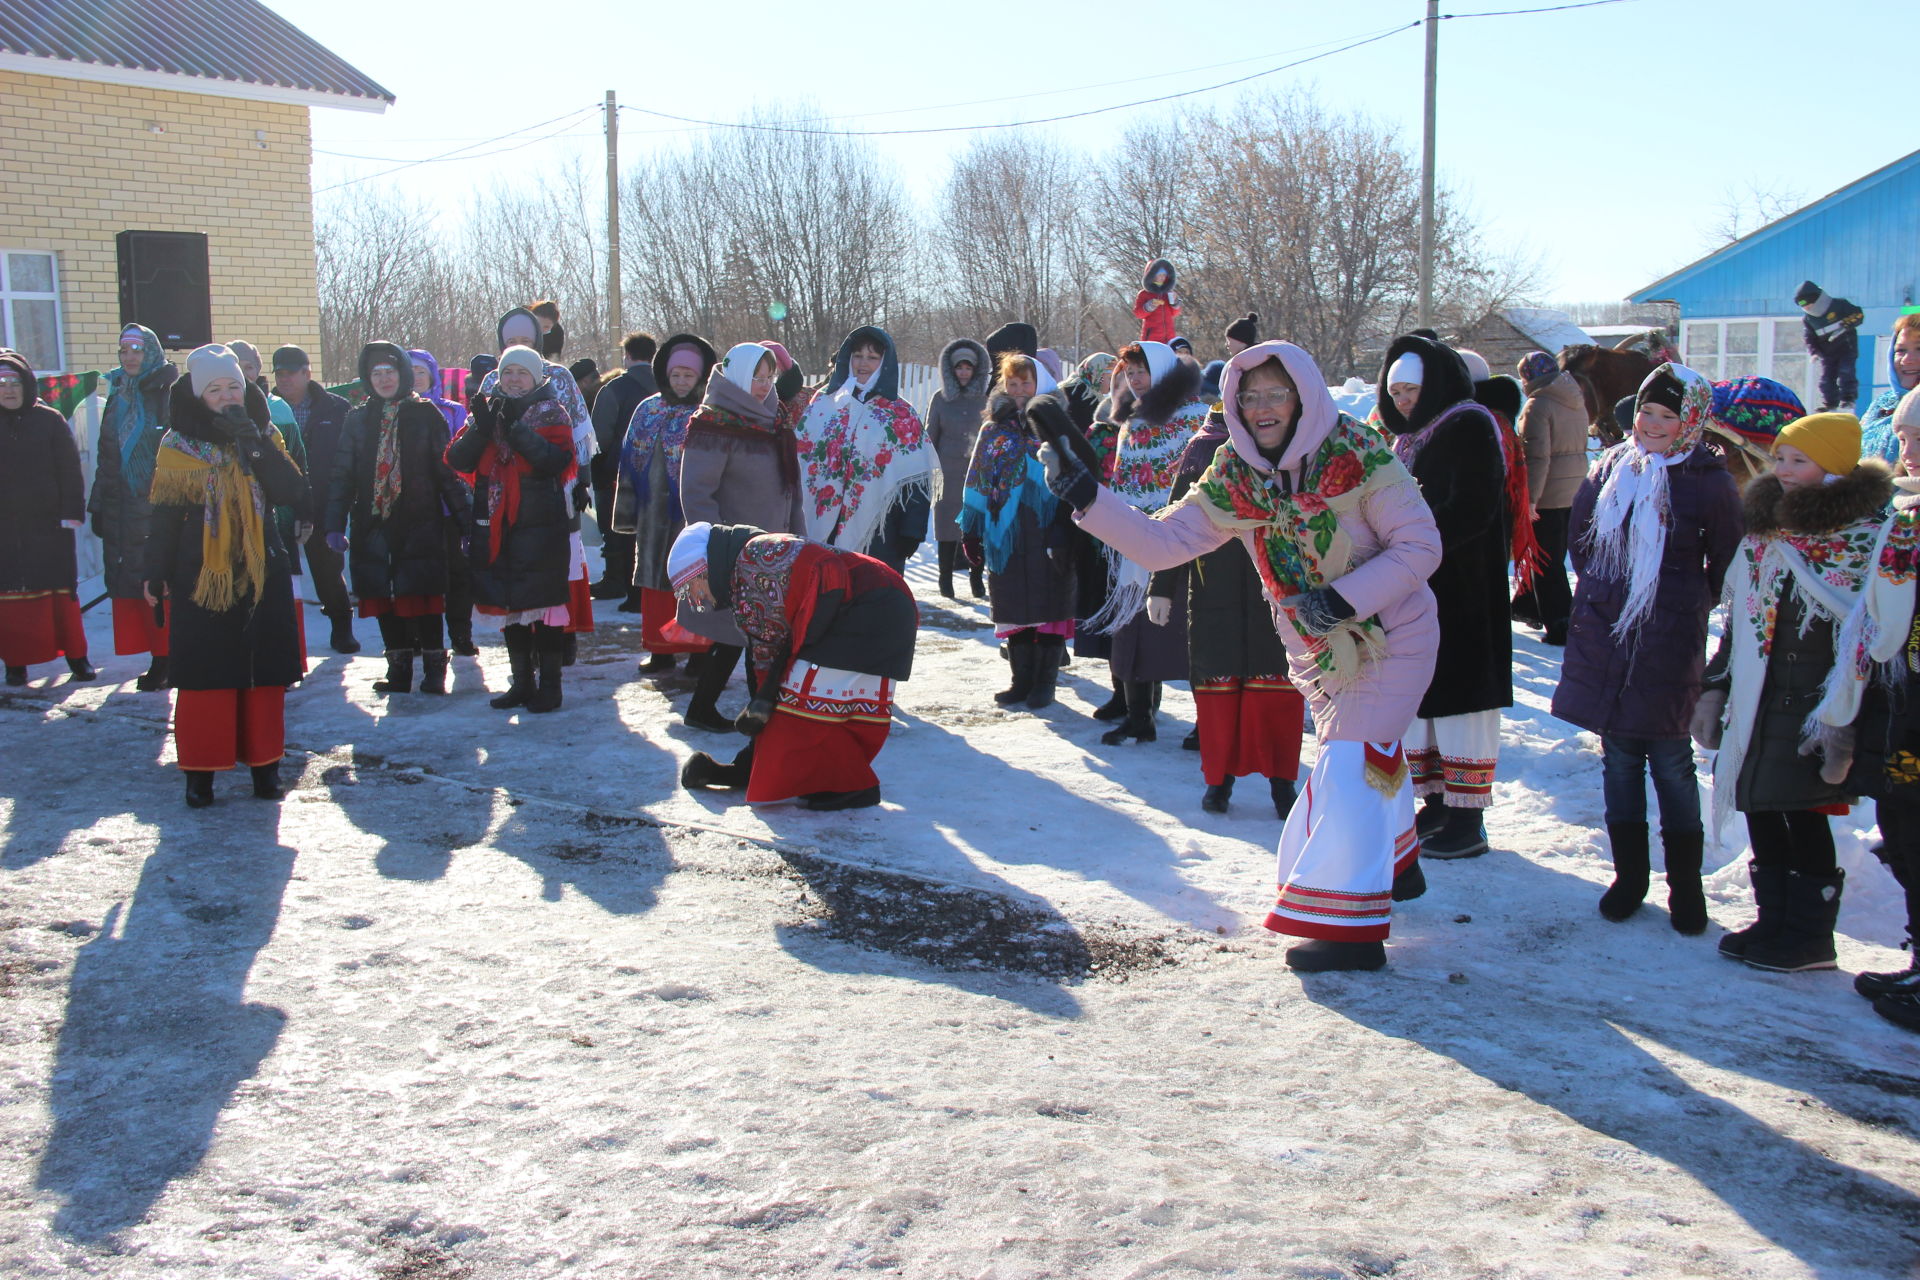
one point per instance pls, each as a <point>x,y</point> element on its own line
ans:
<point>1344,544</point>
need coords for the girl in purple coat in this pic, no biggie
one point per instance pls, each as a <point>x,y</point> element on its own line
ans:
<point>1652,530</point>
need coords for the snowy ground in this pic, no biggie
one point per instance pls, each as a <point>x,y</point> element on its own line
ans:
<point>489,997</point>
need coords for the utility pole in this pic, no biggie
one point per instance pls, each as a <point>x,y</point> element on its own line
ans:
<point>613,218</point>
<point>1426,168</point>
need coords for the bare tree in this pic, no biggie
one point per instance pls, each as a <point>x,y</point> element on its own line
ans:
<point>375,256</point>
<point>1008,221</point>
<point>1747,206</point>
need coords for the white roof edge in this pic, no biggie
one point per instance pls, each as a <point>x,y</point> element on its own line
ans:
<point>139,78</point>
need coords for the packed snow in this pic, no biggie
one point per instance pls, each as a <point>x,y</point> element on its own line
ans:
<point>488,996</point>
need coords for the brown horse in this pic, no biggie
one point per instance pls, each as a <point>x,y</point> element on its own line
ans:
<point>1604,377</point>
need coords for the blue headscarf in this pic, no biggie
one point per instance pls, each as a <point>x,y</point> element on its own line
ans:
<point>127,412</point>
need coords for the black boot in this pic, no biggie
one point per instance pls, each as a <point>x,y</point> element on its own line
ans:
<point>1283,793</point>
<point>1046,668</point>
<point>704,712</point>
<point>266,781</point>
<point>1686,903</point>
<point>460,637</point>
<point>1318,955</point>
<point>550,654</point>
<point>702,772</point>
<point>81,669</point>
<point>1463,836</point>
<point>1409,883</point>
<point>831,801</point>
<point>948,551</point>
<point>658,664</point>
<point>1139,722</point>
<point>199,788</point>
<point>976,581</point>
<point>399,673</point>
<point>1023,654</point>
<point>519,641</point>
<point>342,640</point>
<point>1891,982</point>
<point>569,648</point>
<point>155,676</point>
<point>1192,741</point>
<point>1769,886</point>
<point>616,576</point>
<point>1114,708</point>
<point>1431,817</point>
<point>1809,906</point>
<point>1217,796</point>
<point>1631,870</point>
<point>16,676</point>
<point>1901,1008</point>
<point>433,670</point>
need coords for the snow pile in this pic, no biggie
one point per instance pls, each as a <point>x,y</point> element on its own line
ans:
<point>1355,398</point>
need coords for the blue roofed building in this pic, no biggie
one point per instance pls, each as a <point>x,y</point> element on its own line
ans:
<point>1861,242</point>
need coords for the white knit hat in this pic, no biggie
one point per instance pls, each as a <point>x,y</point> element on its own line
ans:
<point>1409,368</point>
<point>204,364</point>
<point>525,358</point>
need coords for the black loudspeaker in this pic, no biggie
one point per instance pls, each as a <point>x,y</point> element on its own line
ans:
<point>164,285</point>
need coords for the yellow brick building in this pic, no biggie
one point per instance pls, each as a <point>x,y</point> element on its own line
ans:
<point>95,141</point>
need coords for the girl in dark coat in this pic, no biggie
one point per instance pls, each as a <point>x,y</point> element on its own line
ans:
<point>1020,532</point>
<point>138,406</point>
<point>40,507</point>
<point>1653,528</point>
<point>217,557</point>
<point>1783,689</point>
<point>1455,451</point>
<point>391,499</point>
<point>518,446</point>
<point>953,421</point>
<point>830,633</point>
<point>1249,716</point>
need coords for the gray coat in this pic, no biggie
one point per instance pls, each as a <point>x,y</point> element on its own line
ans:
<point>729,479</point>
<point>953,420</point>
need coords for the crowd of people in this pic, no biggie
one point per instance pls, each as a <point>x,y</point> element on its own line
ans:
<point>1223,523</point>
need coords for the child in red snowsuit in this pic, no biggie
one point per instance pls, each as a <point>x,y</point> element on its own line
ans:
<point>1157,304</point>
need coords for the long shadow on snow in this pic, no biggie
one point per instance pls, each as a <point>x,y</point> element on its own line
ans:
<point>158,1032</point>
<point>1514,1024</point>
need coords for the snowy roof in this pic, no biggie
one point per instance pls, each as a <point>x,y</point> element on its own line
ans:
<point>1552,330</point>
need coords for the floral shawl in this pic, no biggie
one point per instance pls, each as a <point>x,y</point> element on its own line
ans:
<point>233,545</point>
<point>761,579</point>
<point>1298,542</point>
<point>1003,476</point>
<point>655,425</point>
<point>859,459</point>
<point>1141,471</point>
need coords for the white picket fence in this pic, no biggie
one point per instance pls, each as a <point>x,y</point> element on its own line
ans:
<point>918,382</point>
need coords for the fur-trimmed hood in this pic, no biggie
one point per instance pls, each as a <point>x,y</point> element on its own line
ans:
<point>1178,386</point>
<point>188,413</point>
<point>1154,268</point>
<point>886,383</point>
<point>386,353</point>
<point>1771,508</point>
<point>1444,383</point>
<point>1501,393</point>
<point>982,370</point>
<point>708,358</point>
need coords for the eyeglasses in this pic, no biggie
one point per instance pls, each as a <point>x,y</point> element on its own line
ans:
<point>1274,399</point>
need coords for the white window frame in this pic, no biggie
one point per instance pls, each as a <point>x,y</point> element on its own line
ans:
<point>1807,389</point>
<point>8,295</point>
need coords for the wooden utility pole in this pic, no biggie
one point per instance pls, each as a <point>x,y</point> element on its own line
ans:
<point>1426,168</point>
<point>613,219</point>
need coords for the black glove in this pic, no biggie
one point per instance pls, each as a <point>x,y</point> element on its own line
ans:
<point>904,546</point>
<point>758,712</point>
<point>1069,478</point>
<point>1318,611</point>
<point>486,413</point>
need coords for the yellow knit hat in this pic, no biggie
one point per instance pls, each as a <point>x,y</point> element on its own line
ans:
<point>1830,439</point>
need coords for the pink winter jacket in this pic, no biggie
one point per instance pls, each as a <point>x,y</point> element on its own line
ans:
<point>1396,548</point>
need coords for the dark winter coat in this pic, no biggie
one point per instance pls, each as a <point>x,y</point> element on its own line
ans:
<point>1843,345</point>
<point>120,509</point>
<point>953,420</point>
<point>256,643</point>
<point>405,553</point>
<point>1774,776</point>
<point>326,418</point>
<point>1228,621</point>
<point>1646,686</point>
<point>1039,582</point>
<point>1461,470</point>
<point>870,626</point>
<point>613,409</point>
<point>40,485</point>
<point>535,560</point>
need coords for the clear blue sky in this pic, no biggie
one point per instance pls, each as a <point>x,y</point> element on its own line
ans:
<point>1602,139</point>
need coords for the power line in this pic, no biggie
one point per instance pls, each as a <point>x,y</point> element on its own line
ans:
<point>349,155</point>
<point>1021,124</point>
<point>457,152</point>
<point>1554,8</point>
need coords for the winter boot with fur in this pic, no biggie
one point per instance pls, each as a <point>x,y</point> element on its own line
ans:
<point>1139,722</point>
<point>550,656</point>
<point>1114,708</point>
<point>703,712</point>
<point>399,672</point>
<point>1046,668</point>
<point>1284,794</point>
<point>1810,904</point>
<point>1023,655</point>
<point>948,552</point>
<point>199,788</point>
<point>433,670</point>
<point>1217,797</point>
<point>1686,902</point>
<point>1320,955</point>
<point>460,637</point>
<point>1769,887</point>
<point>519,642</point>
<point>154,677</point>
<point>1632,869</point>
<point>266,781</point>
<point>1464,835</point>
<point>16,676</point>
<point>702,772</point>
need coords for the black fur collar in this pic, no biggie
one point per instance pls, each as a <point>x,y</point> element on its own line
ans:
<point>1163,399</point>
<point>1770,508</point>
<point>188,413</point>
<point>1444,383</point>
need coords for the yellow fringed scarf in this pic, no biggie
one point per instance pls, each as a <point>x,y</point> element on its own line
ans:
<point>233,537</point>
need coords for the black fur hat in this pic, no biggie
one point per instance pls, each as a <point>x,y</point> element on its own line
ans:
<point>1246,329</point>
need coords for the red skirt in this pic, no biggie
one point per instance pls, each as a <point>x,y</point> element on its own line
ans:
<point>134,630</point>
<point>657,609</point>
<point>1249,725</point>
<point>825,732</point>
<point>580,604</point>
<point>39,626</point>
<point>402,606</point>
<point>215,729</point>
